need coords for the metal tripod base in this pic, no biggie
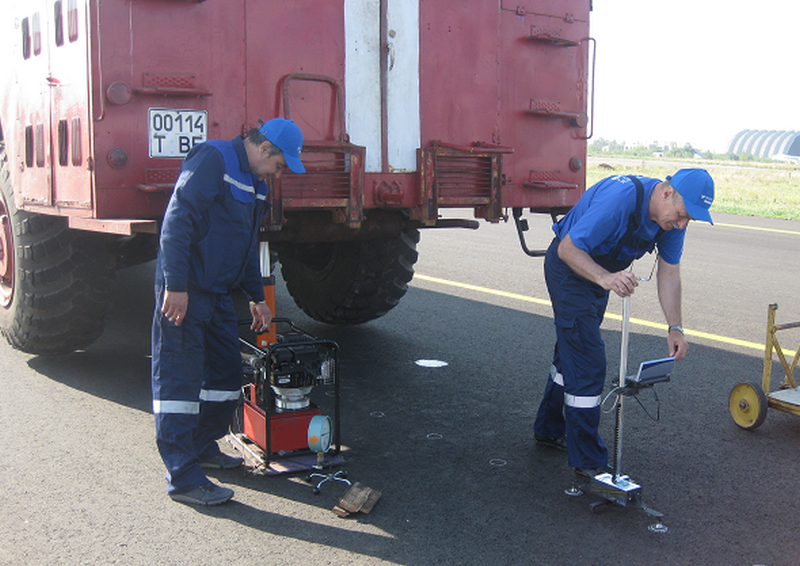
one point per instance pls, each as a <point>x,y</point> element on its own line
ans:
<point>336,476</point>
<point>621,490</point>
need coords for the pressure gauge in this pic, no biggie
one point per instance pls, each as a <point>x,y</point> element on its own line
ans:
<point>320,433</point>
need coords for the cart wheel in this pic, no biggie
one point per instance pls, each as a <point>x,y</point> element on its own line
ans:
<point>748,405</point>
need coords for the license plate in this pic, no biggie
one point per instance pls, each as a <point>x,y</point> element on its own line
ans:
<point>172,133</point>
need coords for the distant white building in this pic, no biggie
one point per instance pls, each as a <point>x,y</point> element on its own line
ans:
<point>766,143</point>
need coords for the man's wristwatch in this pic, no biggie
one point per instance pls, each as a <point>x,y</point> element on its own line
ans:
<point>675,327</point>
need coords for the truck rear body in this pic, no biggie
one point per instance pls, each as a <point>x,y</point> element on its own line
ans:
<point>410,106</point>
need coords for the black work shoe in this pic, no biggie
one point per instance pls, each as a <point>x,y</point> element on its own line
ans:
<point>207,494</point>
<point>222,462</point>
<point>557,443</point>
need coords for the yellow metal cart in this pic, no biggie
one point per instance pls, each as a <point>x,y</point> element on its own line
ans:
<point>749,401</point>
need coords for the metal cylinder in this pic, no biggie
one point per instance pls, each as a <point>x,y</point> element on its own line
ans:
<point>623,372</point>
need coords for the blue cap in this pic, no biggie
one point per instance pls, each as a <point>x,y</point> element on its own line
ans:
<point>697,189</point>
<point>286,136</point>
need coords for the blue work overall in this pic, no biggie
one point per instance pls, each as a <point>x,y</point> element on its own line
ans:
<point>570,407</point>
<point>196,367</point>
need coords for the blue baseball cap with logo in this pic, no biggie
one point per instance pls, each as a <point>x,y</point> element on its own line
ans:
<point>697,189</point>
<point>286,136</point>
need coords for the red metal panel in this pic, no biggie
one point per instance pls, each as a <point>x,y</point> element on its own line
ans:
<point>458,70</point>
<point>68,41</point>
<point>296,37</point>
<point>195,52</point>
<point>546,169</point>
<point>557,8</point>
<point>255,424</point>
<point>288,431</point>
<point>26,103</point>
<point>480,74</point>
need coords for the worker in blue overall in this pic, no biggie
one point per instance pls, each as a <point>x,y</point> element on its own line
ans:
<point>208,247</point>
<point>615,222</point>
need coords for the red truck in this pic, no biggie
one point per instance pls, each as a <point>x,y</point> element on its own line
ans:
<point>407,106</point>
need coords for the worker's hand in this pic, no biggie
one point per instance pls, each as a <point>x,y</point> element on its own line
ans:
<point>678,346</point>
<point>175,305</point>
<point>623,283</point>
<point>262,316</point>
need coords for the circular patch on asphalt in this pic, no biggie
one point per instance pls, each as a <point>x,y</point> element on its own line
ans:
<point>431,363</point>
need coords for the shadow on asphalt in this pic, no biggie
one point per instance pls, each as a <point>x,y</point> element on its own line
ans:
<point>451,447</point>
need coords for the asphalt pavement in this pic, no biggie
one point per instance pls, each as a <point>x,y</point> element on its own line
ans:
<point>449,447</point>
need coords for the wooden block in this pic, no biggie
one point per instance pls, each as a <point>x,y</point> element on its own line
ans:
<point>372,499</point>
<point>357,499</point>
<point>354,498</point>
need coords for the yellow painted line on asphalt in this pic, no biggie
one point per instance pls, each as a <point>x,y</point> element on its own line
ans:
<point>637,321</point>
<point>696,333</point>
<point>774,230</point>
<point>486,290</point>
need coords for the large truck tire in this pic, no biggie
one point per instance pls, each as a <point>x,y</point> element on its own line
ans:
<point>349,282</point>
<point>55,283</point>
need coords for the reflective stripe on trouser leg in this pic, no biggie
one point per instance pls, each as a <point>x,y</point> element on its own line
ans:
<point>177,377</point>
<point>550,416</point>
<point>219,396</point>
<point>583,363</point>
<point>580,357</point>
<point>586,402</point>
<point>222,381</point>
<point>582,418</point>
<point>176,407</point>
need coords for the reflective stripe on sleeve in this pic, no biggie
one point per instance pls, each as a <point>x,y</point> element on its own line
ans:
<point>239,185</point>
<point>577,402</point>
<point>176,407</point>
<point>218,396</point>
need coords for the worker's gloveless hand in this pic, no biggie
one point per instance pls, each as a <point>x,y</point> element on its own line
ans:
<point>175,305</point>
<point>623,283</point>
<point>262,316</point>
<point>678,346</point>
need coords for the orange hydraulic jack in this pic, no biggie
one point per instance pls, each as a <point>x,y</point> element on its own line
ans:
<point>266,339</point>
<point>291,433</point>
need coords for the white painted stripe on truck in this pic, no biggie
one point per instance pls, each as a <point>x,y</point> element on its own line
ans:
<point>362,77</point>
<point>403,112</point>
<point>363,81</point>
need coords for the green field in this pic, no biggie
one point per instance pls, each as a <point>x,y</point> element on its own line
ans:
<point>755,189</point>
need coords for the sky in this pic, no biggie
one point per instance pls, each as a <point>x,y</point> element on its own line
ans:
<point>695,71</point>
